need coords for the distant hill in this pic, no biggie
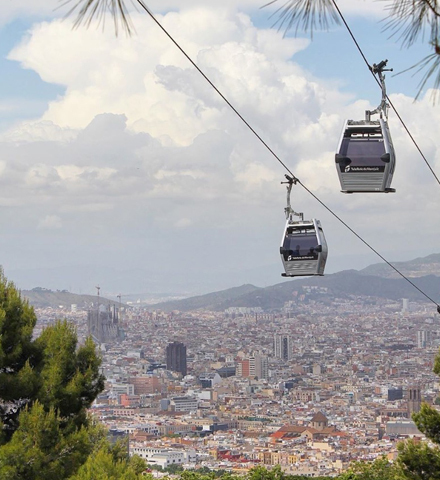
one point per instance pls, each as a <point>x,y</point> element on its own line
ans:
<point>210,301</point>
<point>373,281</point>
<point>377,280</point>
<point>419,267</point>
<point>43,297</point>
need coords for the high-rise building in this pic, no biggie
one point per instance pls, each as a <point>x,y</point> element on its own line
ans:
<point>253,366</point>
<point>405,305</point>
<point>243,369</point>
<point>176,357</point>
<point>262,367</point>
<point>414,399</point>
<point>282,346</point>
<point>423,338</point>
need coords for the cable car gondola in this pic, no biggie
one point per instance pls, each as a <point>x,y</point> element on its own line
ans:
<point>303,247</point>
<point>365,158</point>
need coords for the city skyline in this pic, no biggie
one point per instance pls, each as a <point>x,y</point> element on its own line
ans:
<point>359,367</point>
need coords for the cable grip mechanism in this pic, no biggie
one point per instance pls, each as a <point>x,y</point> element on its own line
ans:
<point>288,210</point>
<point>384,106</point>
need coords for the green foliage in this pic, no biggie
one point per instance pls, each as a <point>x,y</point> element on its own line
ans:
<point>205,473</point>
<point>380,469</point>
<point>418,461</point>
<point>51,369</point>
<point>262,473</point>
<point>194,475</point>
<point>174,468</point>
<point>18,355</point>
<point>102,465</point>
<point>40,449</point>
<point>138,464</point>
<point>46,386</point>
<point>70,378</point>
<point>428,422</point>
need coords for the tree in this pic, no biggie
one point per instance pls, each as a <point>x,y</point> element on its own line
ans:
<point>418,461</point>
<point>261,473</point>
<point>19,356</point>
<point>174,468</point>
<point>105,464</point>
<point>380,469</point>
<point>46,386</point>
<point>41,448</point>
<point>69,376</point>
<point>410,19</point>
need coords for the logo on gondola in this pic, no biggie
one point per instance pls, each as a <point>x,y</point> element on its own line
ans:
<point>293,258</point>
<point>350,168</point>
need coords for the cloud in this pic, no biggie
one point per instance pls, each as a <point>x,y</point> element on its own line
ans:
<point>140,146</point>
<point>51,222</point>
<point>183,223</point>
<point>102,73</point>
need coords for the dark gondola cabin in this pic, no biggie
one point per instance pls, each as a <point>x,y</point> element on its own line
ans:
<point>303,248</point>
<point>365,158</point>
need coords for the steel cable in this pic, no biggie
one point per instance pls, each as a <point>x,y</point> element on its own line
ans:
<point>150,13</point>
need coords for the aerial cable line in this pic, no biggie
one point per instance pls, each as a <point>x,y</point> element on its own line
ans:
<point>368,245</point>
<point>388,99</point>
<point>295,179</point>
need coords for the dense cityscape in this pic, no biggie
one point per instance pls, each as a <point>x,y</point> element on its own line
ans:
<point>309,387</point>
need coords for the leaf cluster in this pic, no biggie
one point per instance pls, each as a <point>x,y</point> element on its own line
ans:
<point>41,448</point>
<point>51,369</point>
<point>46,386</point>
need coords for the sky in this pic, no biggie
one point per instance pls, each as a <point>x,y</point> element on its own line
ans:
<point>121,167</point>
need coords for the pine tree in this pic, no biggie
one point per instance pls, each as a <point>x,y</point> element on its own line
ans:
<point>42,448</point>
<point>51,369</point>
<point>103,464</point>
<point>46,386</point>
<point>19,356</point>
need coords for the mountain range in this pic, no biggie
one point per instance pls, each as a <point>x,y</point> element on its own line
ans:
<point>377,280</point>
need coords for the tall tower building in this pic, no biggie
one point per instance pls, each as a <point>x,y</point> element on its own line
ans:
<point>176,357</point>
<point>253,366</point>
<point>404,305</point>
<point>262,367</point>
<point>423,338</point>
<point>243,368</point>
<point>414,399</point>
<point>282,346</point>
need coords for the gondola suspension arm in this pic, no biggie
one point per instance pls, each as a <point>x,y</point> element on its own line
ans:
<point>384,106</point>
<point>289,210</point>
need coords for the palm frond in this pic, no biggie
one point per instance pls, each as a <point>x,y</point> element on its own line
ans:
<point>88,10</point>
<point>305,15</point>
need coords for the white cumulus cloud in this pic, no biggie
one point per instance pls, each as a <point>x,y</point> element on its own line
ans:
<point>139,145</point>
